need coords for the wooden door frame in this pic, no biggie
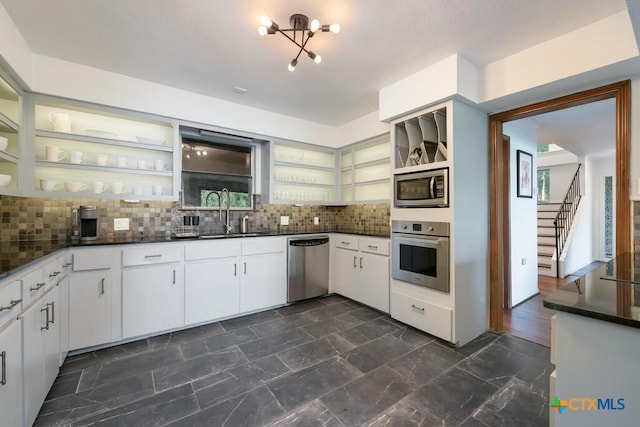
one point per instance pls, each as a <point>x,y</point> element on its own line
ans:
<point>498,250</point>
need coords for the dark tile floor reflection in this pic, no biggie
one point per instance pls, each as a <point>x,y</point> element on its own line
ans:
<point>326,362</point>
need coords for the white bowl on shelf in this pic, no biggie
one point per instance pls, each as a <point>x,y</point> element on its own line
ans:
<point>4,142</point>
<point>5,180</point>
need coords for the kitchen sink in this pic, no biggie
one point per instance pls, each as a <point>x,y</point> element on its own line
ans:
<point>227,236</point>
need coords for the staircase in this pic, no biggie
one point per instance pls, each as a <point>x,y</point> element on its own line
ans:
<point>547,238</point>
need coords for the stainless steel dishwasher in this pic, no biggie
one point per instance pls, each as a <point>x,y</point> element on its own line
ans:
<point>308,267</point>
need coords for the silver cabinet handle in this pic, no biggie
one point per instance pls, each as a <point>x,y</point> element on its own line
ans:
<point>36,287</point>
<point>102,286</point>
<point>52,304</point>
<point>12,304</point>
<point>373,247</point>
<point>153,256</point>
<point>54,274</point>
<point>345,243</point>
<point>67,264</point>
<point>3,356</point>
<point>174,276</point>
<point>47,317</point>
<point>235,269</point>
<point>360,263</point>
<point>354,261</point>
<point>244,267</point>
<point>415,307</point>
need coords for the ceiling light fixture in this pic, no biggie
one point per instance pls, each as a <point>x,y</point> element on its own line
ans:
<point>302,32</point>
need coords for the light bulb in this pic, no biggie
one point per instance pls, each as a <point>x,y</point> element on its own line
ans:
<point>317,59</point>
<point>198,152</point>
<point>315,24</point>
<point>262,30</point>
<point>188,156</point>
<point>204,153</point>
<point>291,67</point>
<point>265,20</point>
<point>334,28</point>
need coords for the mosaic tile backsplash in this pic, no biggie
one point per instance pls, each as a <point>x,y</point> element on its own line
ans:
<point>34,219</point>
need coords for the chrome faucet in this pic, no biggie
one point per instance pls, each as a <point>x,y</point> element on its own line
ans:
<point>212,193</point>
<point>227,220</point>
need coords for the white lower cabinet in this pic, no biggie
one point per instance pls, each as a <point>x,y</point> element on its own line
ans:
<point>212,290</point>
<point>92,297</point>
<point>361,270</point>
<point>41,346</point>
<point>90,308</point>
<point>152,299</point>
<point>262,281</point>
<point>426,316</point>
<point>11,375</point>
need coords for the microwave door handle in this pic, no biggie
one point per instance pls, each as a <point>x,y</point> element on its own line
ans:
<point>432,182</point>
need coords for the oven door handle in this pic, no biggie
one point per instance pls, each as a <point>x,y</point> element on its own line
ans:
<point>427,241</point>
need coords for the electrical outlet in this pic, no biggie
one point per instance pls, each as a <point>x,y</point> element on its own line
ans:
<point>316,220</point>
<point>120,224</point>
<point>523,261</point>
<point>284,220</point>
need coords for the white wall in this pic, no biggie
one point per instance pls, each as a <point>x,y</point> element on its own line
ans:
<point>523,214</point>
<point>560,177</point>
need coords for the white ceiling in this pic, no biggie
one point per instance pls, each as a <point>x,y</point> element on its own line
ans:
<point>211,46</point>
<point>582,130</point>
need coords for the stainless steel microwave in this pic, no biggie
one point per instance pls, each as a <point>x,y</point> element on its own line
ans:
<point>422,189</point>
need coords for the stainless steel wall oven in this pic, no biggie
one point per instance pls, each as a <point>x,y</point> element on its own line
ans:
<point>420,253</point>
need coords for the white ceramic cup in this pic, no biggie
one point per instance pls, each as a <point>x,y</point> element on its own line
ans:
<point>159,165</point>
<point>48,185</point>
<point>61,122</point>
<point>74,187</point>
<point>98,187</point>
<point>76,157</point>
<point>138,190</point>
<point>157,190</point>
<point>4,142</point>
<point>54,154</point>
<point>123,162</point>
<point>102,160</point>
<point>117,188</point>
<point>143,164</point>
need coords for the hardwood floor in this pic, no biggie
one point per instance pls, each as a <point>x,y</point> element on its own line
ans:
<point>530,319</point>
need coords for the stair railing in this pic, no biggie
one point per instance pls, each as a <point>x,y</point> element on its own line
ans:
<point>565,215</point>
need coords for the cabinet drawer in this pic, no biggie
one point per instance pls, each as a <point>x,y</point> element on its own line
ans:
<point>151,254</point>
<point>212,249</point>
<point>94,258</point>
<point>374,246</point>
<point>263,245</point>
<point>428,317</point>
<point>347,242</point>
<point>33,287</point>
<point>10,302</point>
<point>53,271</point>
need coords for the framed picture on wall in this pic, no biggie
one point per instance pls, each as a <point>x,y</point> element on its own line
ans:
<point>525,174</point>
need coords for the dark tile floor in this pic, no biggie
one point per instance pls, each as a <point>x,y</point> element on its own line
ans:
<point>326,362</point>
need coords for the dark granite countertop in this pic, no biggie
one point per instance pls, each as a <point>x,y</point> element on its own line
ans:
<point>16,255</point>
<point>602,294</point>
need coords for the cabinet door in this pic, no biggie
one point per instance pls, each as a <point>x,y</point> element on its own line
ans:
<point>152,299</point>
<point>34,321</point>
<point>373,281</point>
<point>212,290</point>
<point>11,375</point>
<point>90,308</point>
<point>51,338</point>
<point>345,265</point>
<point>63,315</point>
<point>263,281</point>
